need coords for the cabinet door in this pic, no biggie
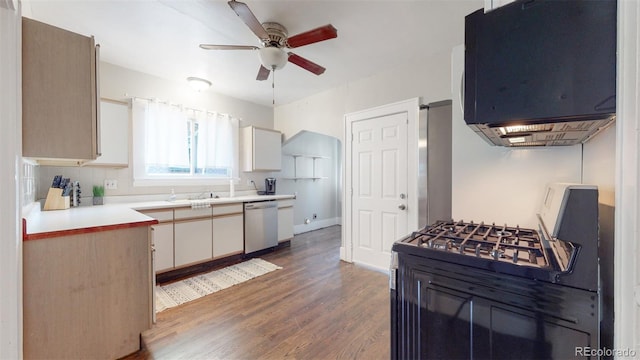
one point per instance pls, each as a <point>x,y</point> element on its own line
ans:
<point>192,241</point>
<point>59,93</point>
<point>228,235</point>
<point>285,223</point>
<point>163,244</point>
<point>114,134</point>
<point>261,148</point>
<point>267,150</point>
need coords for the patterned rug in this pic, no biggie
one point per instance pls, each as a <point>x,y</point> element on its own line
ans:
<point>180,292</point>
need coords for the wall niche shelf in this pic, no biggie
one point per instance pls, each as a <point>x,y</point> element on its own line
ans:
<point>313,176</point>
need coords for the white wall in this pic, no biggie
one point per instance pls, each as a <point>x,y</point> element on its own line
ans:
<point>10,158</point>
<point>324,113</point>
<point>118,83</point>
<point>319,196</point>
<point>600,166</point>
<point>497,184</point>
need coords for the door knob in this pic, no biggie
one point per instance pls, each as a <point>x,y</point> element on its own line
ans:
<point>402,207</point>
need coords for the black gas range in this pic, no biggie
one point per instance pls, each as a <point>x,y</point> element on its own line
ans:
<point>466,290</point>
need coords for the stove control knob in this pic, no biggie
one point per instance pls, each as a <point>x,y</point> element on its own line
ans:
<point>402,207</point>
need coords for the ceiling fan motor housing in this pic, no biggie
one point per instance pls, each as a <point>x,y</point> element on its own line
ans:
<point>277,34</point>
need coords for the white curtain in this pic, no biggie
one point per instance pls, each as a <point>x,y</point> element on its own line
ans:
<point>167,135</point>
<point>217,141</point>
<point>162,138</point>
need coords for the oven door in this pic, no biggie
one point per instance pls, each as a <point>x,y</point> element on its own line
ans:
<point>452,311</point>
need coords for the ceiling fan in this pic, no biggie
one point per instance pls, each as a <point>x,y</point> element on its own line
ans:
<point>275,38</point>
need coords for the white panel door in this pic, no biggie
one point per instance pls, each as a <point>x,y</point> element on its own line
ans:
<point>379,183</point>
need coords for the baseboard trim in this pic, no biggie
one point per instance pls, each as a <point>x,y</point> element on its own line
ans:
<point>315,225</point>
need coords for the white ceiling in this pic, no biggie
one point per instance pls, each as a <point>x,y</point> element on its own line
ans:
<point>161,38</point>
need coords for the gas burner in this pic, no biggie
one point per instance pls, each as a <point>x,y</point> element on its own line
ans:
<point>484,241</point>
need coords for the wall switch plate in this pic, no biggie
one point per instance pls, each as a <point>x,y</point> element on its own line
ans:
<point>111,184</point>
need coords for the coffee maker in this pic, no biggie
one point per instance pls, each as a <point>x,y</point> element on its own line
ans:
<point>270,186</point>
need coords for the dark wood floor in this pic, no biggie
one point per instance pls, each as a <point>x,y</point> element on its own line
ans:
<point>316,307</point>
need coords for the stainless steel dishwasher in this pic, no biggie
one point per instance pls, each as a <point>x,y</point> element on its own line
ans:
<point>260,225</point>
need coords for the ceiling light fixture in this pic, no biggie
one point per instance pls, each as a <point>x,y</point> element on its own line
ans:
<point>198,84</point>
<point>273,58</point>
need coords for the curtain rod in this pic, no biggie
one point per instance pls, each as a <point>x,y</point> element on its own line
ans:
<point>132,97</point>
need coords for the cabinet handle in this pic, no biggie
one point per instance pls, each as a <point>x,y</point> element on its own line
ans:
<point>97,75</point>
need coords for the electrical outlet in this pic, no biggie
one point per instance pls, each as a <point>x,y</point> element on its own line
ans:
<point>315,216</point>
<point>111,184</point>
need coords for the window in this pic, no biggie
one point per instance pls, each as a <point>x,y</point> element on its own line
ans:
<point>173,144</point>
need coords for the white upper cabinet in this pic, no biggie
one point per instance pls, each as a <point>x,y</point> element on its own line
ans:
<point>261,149</point>
<point>114,134</point>
<point>60,112</point>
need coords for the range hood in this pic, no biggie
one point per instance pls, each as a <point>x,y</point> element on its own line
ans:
<point>541,73</point>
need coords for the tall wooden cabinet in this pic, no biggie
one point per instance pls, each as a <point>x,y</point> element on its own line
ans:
<point>59,94</point>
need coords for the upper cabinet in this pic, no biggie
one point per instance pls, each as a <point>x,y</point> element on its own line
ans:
<point>261,149</point>
<point>60,112</point>
<point>114,134</point>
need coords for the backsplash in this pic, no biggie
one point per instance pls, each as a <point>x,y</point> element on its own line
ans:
<point>89,176</point>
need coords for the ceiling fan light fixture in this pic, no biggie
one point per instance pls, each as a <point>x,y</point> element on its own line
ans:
<point>273,58</point>
<point>198,84</point>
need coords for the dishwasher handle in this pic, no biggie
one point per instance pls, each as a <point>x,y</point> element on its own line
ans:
<point>260,205</point>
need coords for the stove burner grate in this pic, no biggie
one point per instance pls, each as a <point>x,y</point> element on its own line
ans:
<point>500,243</point>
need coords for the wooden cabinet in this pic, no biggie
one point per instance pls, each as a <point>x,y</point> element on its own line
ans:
<point>228,230</point>
<point>285,220</point>
<point>114,134</point>
<point>87,296</point>
<point>59,94</point>
<point>261,149</point>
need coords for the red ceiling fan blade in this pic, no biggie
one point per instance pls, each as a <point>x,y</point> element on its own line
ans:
<point>312,36</point>
<point>306,64</point>
<point>243,11</point>
<point>228,47</point>
<point>263,73</point>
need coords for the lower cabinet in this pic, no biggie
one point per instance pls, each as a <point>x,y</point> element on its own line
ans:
<point>193,241</point>
<point>162,238</point>
<point>285,220</point>
<point>228,230</point>
<point>185,236</point>
<point>163,245</point>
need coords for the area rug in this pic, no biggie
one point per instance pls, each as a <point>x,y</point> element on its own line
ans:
<point>180,292</point>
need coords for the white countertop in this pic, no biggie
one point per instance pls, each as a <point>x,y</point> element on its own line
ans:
<point>86,217</point>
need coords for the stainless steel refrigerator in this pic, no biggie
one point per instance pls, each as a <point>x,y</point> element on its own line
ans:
<point>434,173</point>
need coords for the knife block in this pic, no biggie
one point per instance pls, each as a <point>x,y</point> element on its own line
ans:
<point>55,200</point>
